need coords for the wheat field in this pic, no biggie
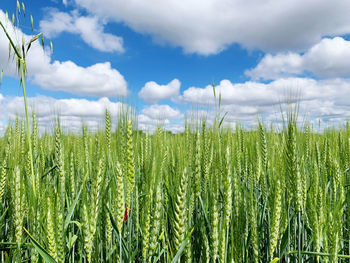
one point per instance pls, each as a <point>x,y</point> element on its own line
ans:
<point>206,195</point>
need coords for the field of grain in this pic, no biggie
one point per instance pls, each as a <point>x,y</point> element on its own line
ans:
<point>205,195</point>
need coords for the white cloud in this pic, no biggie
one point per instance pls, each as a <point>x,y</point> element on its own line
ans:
<point>176,128</point>
<point>148,124</point>
<point>73,112</point>
<point>65,2</point>
<point>90,28</point>
<point>153,92</point>
<point>148,121</point>
<point>276,66</point>
<point>252,92</point>
<point>97,80</point>
<point>209,26</point>
<point>328,58</point>
<point>323,99</point>
<point>327,100</point>
<point>162,112</point>
<point>164,115</point>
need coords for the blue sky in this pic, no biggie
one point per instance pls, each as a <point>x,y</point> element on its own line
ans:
<point>160,57</point>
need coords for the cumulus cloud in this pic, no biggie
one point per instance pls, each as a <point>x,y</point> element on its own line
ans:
<point>209,26</point>
<point>276,66</point>
<point>162,112</point>
<point>323,99</point>
<point>150,125</point>
<point>327,59</point>
<point>164,115</point>
<point>252,92</point>
<point>148,121</point>
<point>152,92</point>
<point>90,29</point>
<point>256,93</point>
<point>72,112</point>
<point>326,100</point>
<point>176,128</point>
<point>97,80</point>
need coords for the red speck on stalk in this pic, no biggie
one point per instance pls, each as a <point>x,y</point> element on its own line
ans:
<point>126,213</point>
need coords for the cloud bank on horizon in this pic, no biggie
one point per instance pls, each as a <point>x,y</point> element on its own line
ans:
<point>299,48</point>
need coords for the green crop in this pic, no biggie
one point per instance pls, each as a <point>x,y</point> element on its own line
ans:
<point>208,194</point>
